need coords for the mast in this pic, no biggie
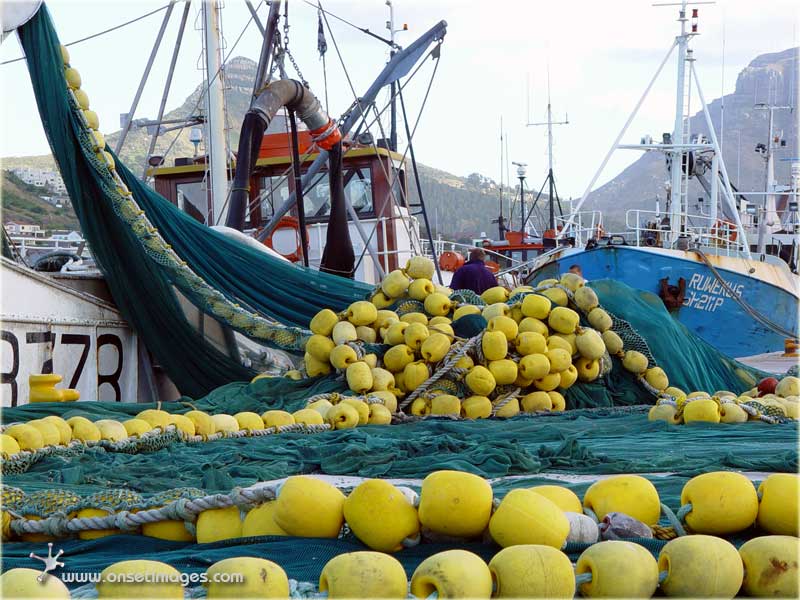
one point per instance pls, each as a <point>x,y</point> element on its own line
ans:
<point>678,145</point>
<point>392,101</point>
<point>215,117</point>
<point>550,178</point>
<point>500,224</point>
<point>678,132</point>
<point>768,211</point>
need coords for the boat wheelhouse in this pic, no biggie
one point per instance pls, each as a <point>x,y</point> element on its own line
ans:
<point>375,186</point>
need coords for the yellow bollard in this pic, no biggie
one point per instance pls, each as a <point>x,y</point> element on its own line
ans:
<point>43,389</point>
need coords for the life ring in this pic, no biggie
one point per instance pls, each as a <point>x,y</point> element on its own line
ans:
<point>725,230</point>
<point>288,222</point>
<point>451,261</point>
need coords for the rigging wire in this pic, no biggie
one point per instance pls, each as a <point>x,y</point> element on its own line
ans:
<point>207,87</point>
<point>353,25</point>
<point>395,201</point>
<point>98,34</point>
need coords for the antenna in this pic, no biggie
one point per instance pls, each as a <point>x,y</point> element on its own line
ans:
<point>550,123</point>
<point>527,97</point>
<point>500,224</point>
<point>722,88</point>
<point>521,172</point>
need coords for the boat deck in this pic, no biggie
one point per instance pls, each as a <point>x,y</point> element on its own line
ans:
<point>772,362</point>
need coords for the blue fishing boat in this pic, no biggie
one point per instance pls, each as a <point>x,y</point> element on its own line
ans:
<point>739,313</point>
<point>741,298</point>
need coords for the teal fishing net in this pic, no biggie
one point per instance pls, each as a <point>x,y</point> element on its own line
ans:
<point>579,442</point>
<point>252,282</point>
<point>141,287</point>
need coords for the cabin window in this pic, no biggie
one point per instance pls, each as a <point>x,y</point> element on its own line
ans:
<point>193,199</point>
<point>358,190</point>
<point>398,187</point>
<point>274,192</point>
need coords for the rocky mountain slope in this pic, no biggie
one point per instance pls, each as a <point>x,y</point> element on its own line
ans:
<point>769,77</point>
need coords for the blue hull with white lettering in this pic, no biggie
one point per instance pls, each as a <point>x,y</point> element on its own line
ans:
<point>708,310</point>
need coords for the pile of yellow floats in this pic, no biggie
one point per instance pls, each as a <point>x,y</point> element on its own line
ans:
<point>531,525</point>
<point>532,350</point>
<point>726,407</point>
<point>535,345</point>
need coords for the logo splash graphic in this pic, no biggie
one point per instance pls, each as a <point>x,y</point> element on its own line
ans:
<point>51,563</point>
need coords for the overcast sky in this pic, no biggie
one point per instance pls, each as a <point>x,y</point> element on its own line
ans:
<point>601,56</point>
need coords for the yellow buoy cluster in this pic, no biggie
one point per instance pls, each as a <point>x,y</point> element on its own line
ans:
<point>90,117</point>
<point>56,431</point>
<point>454,504</point>
<point>726,407</point>
<point>344,412</point>
<point>698,566</point>
<point>535,346</point>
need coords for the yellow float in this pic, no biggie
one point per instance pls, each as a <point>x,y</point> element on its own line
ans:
<point>630,494</point>
<point>532,571</point>
<point>218,524</point>
<point>618,570</point>
<point>262,579</point>
<point>24,583</point>
<point>364,575</point>
<point>455,503</point>
<point>525,517</point>
<point>309,507</point>
<point>722,502</point>
<point>777,511</point>
<point>126,579</point>
<point>562,497</point>
<point>380,515</point>
<point>260,521</point>
<point>770,566</point>
<point>700,566</point>
<point>452,574</point>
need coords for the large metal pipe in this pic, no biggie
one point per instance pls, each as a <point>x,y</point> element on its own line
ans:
<point>399,65</point>
<point>296,98</point>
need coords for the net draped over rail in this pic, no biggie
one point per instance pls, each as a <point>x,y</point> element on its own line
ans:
<point>142,288</point>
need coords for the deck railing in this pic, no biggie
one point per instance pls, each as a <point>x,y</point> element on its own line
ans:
<point>718,235</point>
<point>26,245</point>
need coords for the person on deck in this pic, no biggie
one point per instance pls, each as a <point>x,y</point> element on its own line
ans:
<point>474,274</point>
<point>576,269</point>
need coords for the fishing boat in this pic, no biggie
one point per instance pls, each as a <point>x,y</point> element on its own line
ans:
<point>737,294</point>
<point>379,230</point>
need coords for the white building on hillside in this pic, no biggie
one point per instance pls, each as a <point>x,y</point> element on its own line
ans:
<point>24,229</point>
<point>64,236</point>
<point>41,178</point>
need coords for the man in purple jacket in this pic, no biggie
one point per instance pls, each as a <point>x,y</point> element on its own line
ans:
<point>474,275</point>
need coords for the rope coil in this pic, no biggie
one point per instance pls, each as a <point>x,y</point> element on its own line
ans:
<point>447,365</point>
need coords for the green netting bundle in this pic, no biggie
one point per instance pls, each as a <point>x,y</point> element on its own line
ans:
<point>140,286</point>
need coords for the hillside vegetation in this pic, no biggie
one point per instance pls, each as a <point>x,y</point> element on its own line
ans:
<point>21,203</point>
